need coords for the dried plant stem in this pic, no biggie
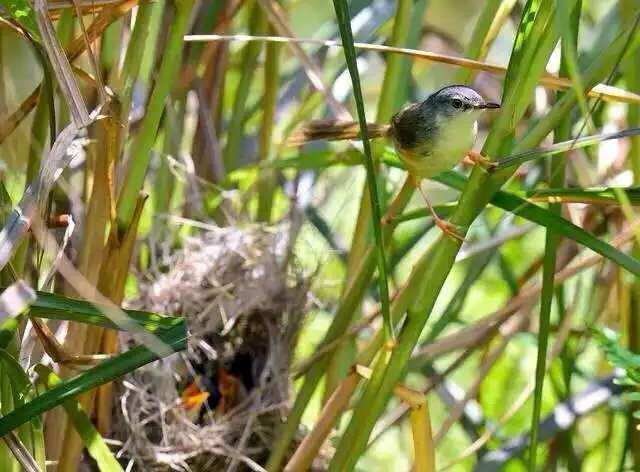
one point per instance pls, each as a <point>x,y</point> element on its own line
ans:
<point>114,269</point>
<point>333,408</point>
<point>603,91</point>
<point>61,66</point>
<point>279,22</point>
<point>423,443</point>
<point>75,49</point>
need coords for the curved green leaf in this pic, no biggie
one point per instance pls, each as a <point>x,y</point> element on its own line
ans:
<point>520,206</point>
<point>21,390</point>
<point>57,307</point>
<point>175,337</point>
<point>91,438</point>
<point>344,23</point>
<point>544,217</point>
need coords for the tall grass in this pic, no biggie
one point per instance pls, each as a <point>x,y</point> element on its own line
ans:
<point>546,254</point>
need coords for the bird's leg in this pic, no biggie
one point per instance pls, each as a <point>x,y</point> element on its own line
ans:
<point>474,157</point>
<point>447,228</point>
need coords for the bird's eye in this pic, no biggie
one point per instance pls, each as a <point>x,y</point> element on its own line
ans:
<point>456,103</point>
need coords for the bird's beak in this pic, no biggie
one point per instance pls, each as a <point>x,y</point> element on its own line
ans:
<point>488,105</point>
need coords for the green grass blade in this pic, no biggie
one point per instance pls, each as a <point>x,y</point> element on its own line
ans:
<point>395,80</point>
<point>257,25</point>
<point>410,39</point>
<point>106,371</point>
<point>632,73</point>
<point>267,180</point>
<point>518,205</point>
<point>567,24</point>
<point>135,50</point>
<point>93,441</point>
<point>58,307</point>
<point>525,28</point>
<point>149,53</point>
<point>406,31</point>
<point>344,23</point>
<point>474,49</point>
<point>541,216</point>
<point>569,27</point>
<point>549,220</point>
<point>534,43</point>
<point>21,390</point>
<point>141,152</point>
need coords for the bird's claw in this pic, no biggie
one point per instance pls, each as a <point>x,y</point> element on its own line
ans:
<point>474,157</point>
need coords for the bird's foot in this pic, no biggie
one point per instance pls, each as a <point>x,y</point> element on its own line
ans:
<point>474,157</point>
<point>451,230</point>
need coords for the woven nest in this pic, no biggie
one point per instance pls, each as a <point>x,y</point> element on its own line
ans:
<point>217,405</point>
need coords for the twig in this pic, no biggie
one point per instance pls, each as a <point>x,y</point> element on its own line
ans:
<point>61,66</point>
<point>277,19</point>
<point>74,50</point>
<point>605,92</point>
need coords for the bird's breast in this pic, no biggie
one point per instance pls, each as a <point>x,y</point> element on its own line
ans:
<point>453,139</point>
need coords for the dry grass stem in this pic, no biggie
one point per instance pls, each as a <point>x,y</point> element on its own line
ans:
<point>602,91</point>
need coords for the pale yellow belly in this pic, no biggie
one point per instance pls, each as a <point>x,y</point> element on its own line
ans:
<point>452,144</point>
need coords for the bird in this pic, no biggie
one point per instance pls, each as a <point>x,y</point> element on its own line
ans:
<point>218,388</point>
<point>430,136</point>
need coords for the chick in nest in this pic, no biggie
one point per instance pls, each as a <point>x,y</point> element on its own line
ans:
<point>220,391</point>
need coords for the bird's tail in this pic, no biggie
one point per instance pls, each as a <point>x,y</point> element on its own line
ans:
<point>333,130</point>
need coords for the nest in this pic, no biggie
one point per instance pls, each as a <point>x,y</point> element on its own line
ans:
<point>217,405</point>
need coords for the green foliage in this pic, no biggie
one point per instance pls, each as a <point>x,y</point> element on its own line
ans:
<point>620,357</point>
<point>344,23</point>
<point>202,126</point>
<point>92,439</point>
<point>58,307</point>
<point>17,391</point>
<point>23,13</point>
<point>106,371</point>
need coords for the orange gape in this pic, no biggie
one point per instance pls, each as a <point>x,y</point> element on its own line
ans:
<point>193,397</point>
<point>229,388</point>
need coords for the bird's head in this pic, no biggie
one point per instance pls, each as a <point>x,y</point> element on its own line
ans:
<point>457,100</point>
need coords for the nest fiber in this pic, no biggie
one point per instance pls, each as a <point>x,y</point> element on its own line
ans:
<point>243,305</point>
